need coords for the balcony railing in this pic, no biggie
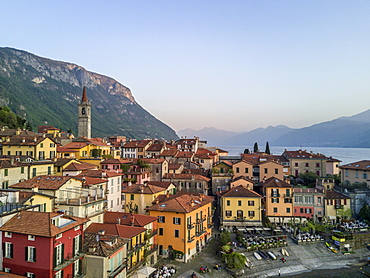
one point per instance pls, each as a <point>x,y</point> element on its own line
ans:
<point>191,239</point>
<point>210,225</point>
<point>135,248</point>
<point>133,268</point>
<point>191,226</point>
<point>201,219</point>
<point>118,270</point>
<point>153,249</point>
<point>275,195</point>
<point>69,259</point>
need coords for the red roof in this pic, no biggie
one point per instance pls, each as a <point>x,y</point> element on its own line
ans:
<point>44,182</point>
<point>240,191</point>
<point>275,182</point>
<point>139,220</point>
<point>80,166</point>
<point>186,177</point>
<point>115,229</point>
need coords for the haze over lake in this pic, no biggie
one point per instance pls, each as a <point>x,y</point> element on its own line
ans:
<point>346,155</point>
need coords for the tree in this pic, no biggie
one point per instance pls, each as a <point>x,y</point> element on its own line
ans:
<point>309,178</point>
<point>255,147</point>
<point>225,237</point>
<point>344,213</point>
<point>235,260</point>
<point>364,213</point>
<point>246,151</point>
<point>267,150</point>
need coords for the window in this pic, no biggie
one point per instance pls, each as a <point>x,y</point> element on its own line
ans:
<point>30,253</point>
<point>301,210</point>
<point>228,213</point>
<point>275,210</point>
<point>22,170</point>
<point>41,145</point>
<point>228,202</point>
<point>5,184</point>
<point>307,164</point>
<point>176,220</point>
<point>275,200</point>
<point>7,269</point>
<point>246,170</point>
<point>346,173</point>
<point>132,197</point>
<point>49,170</point>
<point>8,234</point>
<point>177,233</point>
<point>59,254</point>
<point>250,203</point>
<point>239,214</point>
<point>276,171</point>
<point>239,203</point>
<point>356,176</point>
<point>251,213</point>
<point>58,235</point>
<point>30,275</point>
<point>76,245</point>
<point>5,172</point>
<point>265,170</point>
<point>160,231</point>
<point>308,210</point>
<point>296,164</point>
<point>298,199</point>
<point>161,219</point>
<point>364,176</point>
<point>31,237</point>
<point>317,164</point>
<point>34,172</point>
<point>319,201</point>
<point>52,154</point>
<point>8,252</point>
<point>287,210</point>
<point>237,169</point>
<point>319,213</point>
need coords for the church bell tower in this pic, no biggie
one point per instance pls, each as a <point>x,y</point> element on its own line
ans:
<point>84,117</point>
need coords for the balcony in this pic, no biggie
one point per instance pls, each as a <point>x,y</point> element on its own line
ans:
<point>69,259</point>
<point>204,218</point>
<point>153,249</point>
<point>191,239</point>
<point>135,267</point>
<point>135,248</point>
<point>118,270</point>
<point>191,226</point>
<point>210,225</point>
<point>150,234</point>
<point>275,195</point>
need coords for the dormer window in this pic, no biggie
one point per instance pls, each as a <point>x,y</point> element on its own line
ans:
<point>8,234</point>
<point>58,236</point>
<point>31,237</point>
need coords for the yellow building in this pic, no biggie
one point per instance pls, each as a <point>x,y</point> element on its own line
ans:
<point>337,205</point>
<point>140,196</point>
<point>278,200</point>
<point>88,148</point>
<point>240,207</point>
<point>136,235</point>
<point>37,147</point>
<point>184,223</point>
<point>302,161</point>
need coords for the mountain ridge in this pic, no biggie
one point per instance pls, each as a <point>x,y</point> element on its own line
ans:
<point>45,90</point>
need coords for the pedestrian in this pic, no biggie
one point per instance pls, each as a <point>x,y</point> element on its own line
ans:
<point>279,272</point>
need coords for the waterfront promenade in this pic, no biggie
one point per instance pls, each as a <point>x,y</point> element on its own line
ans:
<point>302,258</point>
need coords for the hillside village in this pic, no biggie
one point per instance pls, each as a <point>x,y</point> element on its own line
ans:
<point>76,206</point>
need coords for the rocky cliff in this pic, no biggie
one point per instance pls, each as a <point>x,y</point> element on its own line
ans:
<point>44,90</point>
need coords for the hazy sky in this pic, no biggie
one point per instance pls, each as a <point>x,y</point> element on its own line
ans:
<point>234,65</point>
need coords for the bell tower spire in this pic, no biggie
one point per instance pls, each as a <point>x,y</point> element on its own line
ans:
<point>84,116</point>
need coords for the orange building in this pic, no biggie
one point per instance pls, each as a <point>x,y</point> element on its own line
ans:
<point>278,200</point>
<point>184,223</point>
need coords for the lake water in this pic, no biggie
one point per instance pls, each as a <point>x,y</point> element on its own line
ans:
<point>346,155</point>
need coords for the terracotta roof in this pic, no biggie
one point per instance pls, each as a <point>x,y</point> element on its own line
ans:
<point>359,165</point>
<point>76,145</point>
<point>174,166</point>
<point>303,155</point>
<point>6,163</point>
<point>24,196</point>
<point>275,182</point>
<point>240,191</point>
<point>63,161</point>
<point>184,155</point>
<point>99,174</point>
<point>150,160</point>
<point>115,229</point>
<point>186,177</point>
<point>19,140</point>
<point>12,132</point>
<point>163,184</point>
<point>143,189</point>
<point>65,150</point>
<point>155,147</point>
<point>45,128</point>
<point>228,163</point>
<point>171,152</point>
<point>140,220</point>
<point>39,223</point>
<point>243,178</point>
<point>116,161</point>
<point>331,159</point>
<point>331,194</point>
<point>80,166</point>
<point>44,182</point>
<point>98,142</point>
<point>92,181</point>
<point>100,244</point>
<point>182,202</point>
<point>202,151</point>
<point>186,141</point>
<point>137,144</point>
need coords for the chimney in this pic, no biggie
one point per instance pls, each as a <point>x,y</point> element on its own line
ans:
<point>132,220</point>
<point>23,139</point>
<point>101,232</point>
<point>119,221</point>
